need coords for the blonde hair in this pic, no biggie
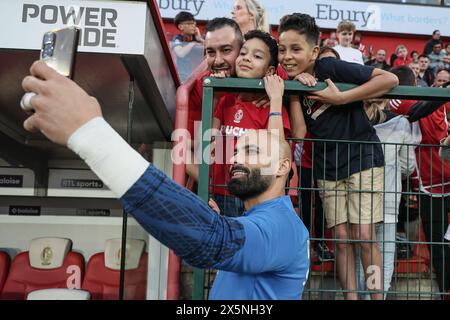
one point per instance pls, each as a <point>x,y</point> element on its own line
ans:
<point>374,109</point>
<point>400,46</point>
<point>259,13</point>
<point>345,25</point>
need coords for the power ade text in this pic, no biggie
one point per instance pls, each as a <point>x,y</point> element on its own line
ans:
<point>100,26</point>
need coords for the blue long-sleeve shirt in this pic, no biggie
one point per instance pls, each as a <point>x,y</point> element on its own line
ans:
<point>262,255</point>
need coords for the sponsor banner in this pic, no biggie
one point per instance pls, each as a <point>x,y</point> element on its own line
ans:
<point>367,16</point>
<point>11,181</point>
<point>16,181</point>
<point>106,26</point>
<point>93,212</point>
<point>24,210</point>
<point>76,183</point>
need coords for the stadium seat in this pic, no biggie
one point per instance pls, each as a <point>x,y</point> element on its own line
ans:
<point>59,294</point>
<point>4,268</point>
<point>49,263</point>
<point>103,271</point>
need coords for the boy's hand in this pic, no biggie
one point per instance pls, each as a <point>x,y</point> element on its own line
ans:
<point>330,95</point>
<point>262,102</point>
<point>274,86</point>
<point>306,79</point>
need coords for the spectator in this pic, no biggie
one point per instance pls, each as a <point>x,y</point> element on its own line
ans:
<point>392,59</point>
<point>250,15</point>
<point>395,133</point>
<point>312,213</point>
<point>345,31</point>
<point>328,52</point>
<point>188,45</point>
<point>437,58</point>
<point>331,41</point>
<point>223,42</point>
<point>447,57</point>
<point>414,56</point>
<point>436,38</point>
<point>358,45</point>
<point>379,61</point>
<point>415,67</point>
<point>434,174</point>
<point>402,56</point>
<point>262,255</point>
<point>333,115</point>
<point>425,77</point>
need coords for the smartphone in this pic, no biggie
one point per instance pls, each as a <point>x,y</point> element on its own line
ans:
<point>59,49</point>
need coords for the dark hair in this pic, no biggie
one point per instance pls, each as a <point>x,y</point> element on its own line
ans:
<point>326,49</point>
<point>219,23</point>
<point>412,52</point>
<point>270,42</point>
<point>435,31</point>
<point>304,24</point>
<point>406,76</point>
<point>423,56</point>
<point>183,16</point>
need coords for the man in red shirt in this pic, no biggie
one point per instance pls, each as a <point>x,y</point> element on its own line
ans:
<point>433,181</point>
<point>223,41</point>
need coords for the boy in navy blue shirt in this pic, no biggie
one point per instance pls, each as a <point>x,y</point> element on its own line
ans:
<point>188,45</point>
<point>342,169</point>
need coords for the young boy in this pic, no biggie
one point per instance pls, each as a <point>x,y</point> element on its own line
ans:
<point>345,31</point>
<point>402,56</point>
<point>340,167</point>
<point>188,45</point>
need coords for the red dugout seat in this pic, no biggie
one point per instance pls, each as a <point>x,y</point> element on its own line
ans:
<point>48,264</point>
<point>4,267</point>
<point>103,272</point>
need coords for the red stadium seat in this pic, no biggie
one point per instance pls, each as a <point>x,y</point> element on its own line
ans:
<point>102,277</point>
<point>4,267</point>
<point>48,264</point>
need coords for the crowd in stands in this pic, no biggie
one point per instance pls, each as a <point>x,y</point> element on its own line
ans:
<point>332,175</point>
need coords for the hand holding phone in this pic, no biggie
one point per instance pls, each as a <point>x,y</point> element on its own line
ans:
<point>59,49</point>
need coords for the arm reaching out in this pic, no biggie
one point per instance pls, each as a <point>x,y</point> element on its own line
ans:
<point>67,115</point>
<point>380,82</point>
<point>274,86</point>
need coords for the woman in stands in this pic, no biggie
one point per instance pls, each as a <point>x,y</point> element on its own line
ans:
<point>250,15</point>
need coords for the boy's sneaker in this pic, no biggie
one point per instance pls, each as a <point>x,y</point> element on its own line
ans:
<point>323,253</point>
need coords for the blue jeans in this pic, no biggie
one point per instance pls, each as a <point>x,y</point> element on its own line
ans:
<point>229,206</point>
<point>387,249</point>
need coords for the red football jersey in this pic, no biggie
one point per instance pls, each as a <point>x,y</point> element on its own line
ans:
<point>434,172</point>
<point>195,103</point>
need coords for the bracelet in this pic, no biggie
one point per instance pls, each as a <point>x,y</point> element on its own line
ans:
<point>275,114</point>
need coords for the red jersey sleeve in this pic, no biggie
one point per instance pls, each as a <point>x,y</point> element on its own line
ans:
<point>401,106</point>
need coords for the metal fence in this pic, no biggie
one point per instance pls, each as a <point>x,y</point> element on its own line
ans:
<point>405,258</point>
